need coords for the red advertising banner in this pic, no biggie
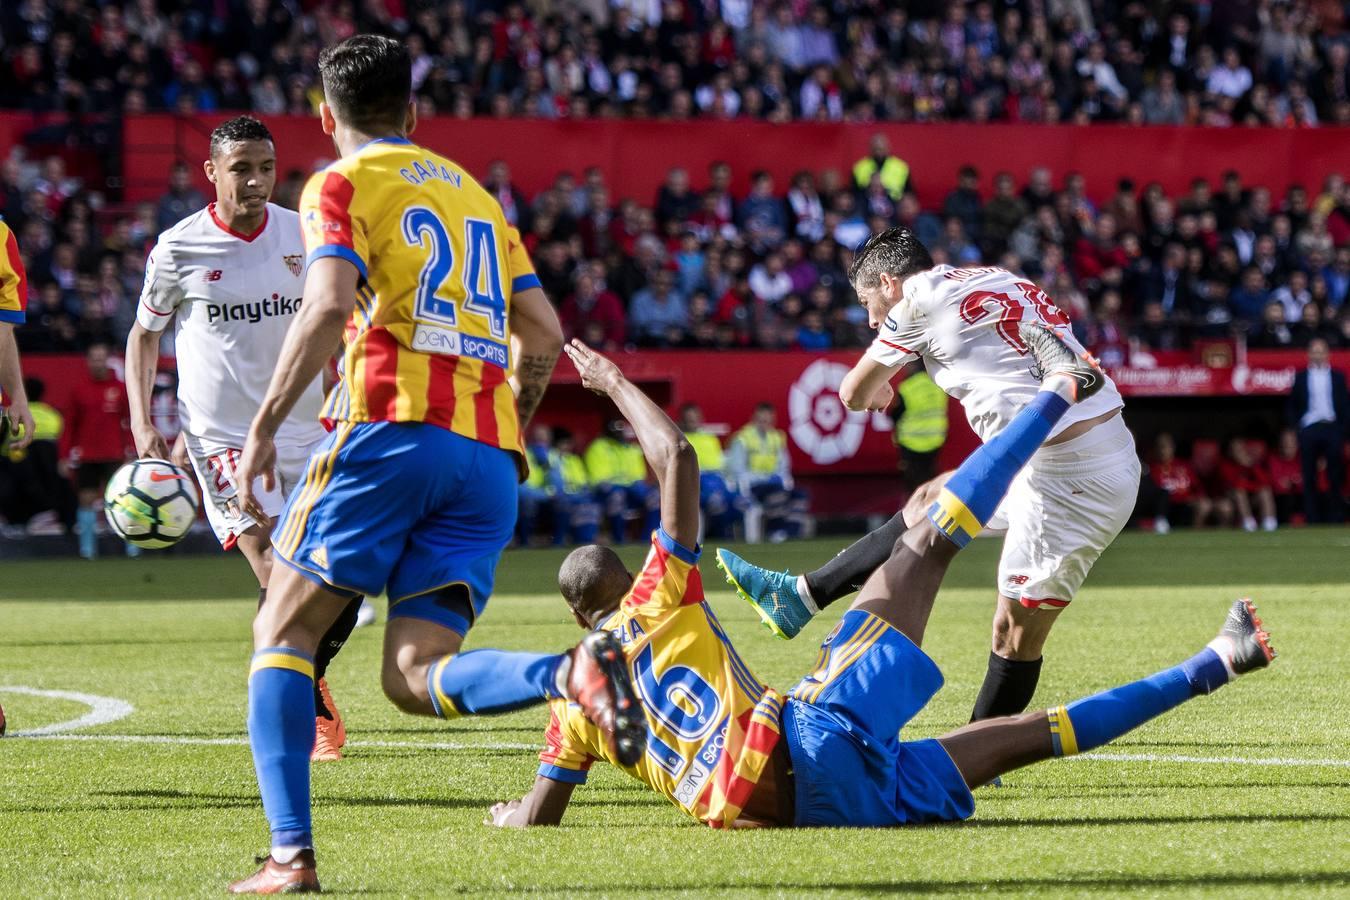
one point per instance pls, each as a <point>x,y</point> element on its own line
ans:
<point>635,155</point>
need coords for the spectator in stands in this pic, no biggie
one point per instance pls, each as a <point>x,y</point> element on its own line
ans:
<point>722,507</point>
<point>658,315</point>
<point>1248,484</point>
<point>675,202</point>
<point>964,202</point>
<point>759,465</point>
<point>893,170</point>
<point>1180,496</point>
<point>536,491</point>
<point>180,201</point>
<point>1319,408</point>
<point>762,216</point>
<point>920,430</point>
<point>1155,331</point>
<point>769,280</point>
<point>576,513</point>
<point>1274,333</point>
<point>1248,301</point>
<point>1003,214</point>
<point>617,472</point>
<point>39,494</point>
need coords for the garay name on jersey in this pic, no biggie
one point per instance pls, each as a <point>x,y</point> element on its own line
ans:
<point>432,170</point>
<point>255,311</point>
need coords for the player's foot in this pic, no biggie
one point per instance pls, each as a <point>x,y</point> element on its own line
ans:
<point>773,594</point>
<point>598,680</point>
<point>334,712</point>
<point>366,614</point>
<point>299,876</point>
<point>1055,357</point>
<point>1243,644</point>
<point>326,746</point>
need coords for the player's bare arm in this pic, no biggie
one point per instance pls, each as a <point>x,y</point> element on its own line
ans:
<point>867,386</point>
<point>536,342</point>
<point>668,453</point>
<point>11,381</point>
<point>543,805</point>
<point>330,296</point>
<point>142,361</point>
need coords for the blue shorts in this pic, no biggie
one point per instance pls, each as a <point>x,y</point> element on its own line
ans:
<point>842,725</point>
<point>405,507</point>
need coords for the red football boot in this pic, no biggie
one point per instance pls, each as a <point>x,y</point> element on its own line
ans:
<point>299,876</point>
<point>599,682</point>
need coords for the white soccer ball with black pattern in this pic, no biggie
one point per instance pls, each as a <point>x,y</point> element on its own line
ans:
<point>150,503</point>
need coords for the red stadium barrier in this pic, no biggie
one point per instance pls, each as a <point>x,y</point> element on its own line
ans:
<point>636,154</point>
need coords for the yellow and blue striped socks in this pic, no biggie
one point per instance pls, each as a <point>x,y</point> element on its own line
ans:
<point>281,735</point>
<point>974,491</point>
<point>1088,723</point>
<point>479,682</point>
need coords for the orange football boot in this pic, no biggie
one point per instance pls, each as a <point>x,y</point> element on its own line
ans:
<point>299,876</point>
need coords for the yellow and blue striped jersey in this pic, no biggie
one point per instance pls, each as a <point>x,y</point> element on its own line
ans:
<point>711,723</point>
<point>429,340</point>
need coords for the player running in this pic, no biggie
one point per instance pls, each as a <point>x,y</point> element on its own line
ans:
<point>732,752</point>
<point>230,279</point>
<point>449,343</point>
<point>1062,511</point>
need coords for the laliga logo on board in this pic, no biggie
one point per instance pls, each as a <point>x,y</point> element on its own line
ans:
<point>821,426</point>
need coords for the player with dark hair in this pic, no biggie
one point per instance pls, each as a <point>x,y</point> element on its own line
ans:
<point>229,278</point>
<point>1062,511</point>
<point>732,752</point>
<point>448,345</point>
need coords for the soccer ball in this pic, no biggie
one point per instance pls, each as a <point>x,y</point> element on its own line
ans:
<point>150,503</point>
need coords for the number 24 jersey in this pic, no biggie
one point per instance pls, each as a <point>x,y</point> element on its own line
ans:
<point>429,340</point>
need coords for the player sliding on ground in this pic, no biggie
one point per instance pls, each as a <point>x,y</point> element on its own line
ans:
<point>1065,508</point>
<point>448,343</point>
<point>731,752</point>
<point>229,279</point>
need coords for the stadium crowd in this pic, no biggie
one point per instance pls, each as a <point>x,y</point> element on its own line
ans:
<point>1213,64</point>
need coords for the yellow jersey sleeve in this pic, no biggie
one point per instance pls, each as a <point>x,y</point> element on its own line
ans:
<point>327,221</point>
<point>13,280</point>
<point>523,276</point>
<point>669,578</point>
<point>567,755</point>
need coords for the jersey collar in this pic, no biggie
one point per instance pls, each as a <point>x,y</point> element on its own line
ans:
<point>383,140</point>
<point>220,223</point>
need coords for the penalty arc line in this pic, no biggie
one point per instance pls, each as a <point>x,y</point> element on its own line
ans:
<point>102,710</point>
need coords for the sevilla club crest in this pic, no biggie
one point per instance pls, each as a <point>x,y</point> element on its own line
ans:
<point>294,262</point>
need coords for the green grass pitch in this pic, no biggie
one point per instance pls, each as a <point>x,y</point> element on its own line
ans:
<point>403,814</point>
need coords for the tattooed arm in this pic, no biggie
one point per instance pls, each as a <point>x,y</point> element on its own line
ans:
<point>536,341</point>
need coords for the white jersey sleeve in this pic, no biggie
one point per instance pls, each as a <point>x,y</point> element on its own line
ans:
<point>903,337</point>
<point>162,292</point>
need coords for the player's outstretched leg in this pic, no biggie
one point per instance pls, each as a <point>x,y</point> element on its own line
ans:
<point>786,602</point>
<point>984,750</point>
<point>593,674</point>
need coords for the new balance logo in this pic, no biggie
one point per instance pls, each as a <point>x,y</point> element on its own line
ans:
<point>212,275</point>
<point>1018,579</point>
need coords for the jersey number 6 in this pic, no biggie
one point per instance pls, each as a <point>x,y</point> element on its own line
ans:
<point>481,274</point>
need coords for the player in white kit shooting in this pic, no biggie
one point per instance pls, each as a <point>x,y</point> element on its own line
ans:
<point>1061,512</point>
<point>230,279</point>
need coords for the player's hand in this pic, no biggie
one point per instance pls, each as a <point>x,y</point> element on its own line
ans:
<point>150,444</point>
<point>500,815</point>
<point>21,420</point>
<point>597,373</point>
<point>882,399</point>
<point>258,460</point>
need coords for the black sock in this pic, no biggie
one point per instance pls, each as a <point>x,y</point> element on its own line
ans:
<point>329,646</point>
<point>846,573</point>
<point>1008,687</point>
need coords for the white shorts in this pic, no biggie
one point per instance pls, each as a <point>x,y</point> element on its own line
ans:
<point>215,465</point>
<point>1062,511</point>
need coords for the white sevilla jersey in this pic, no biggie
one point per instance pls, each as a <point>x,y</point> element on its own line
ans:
<point>963,323</point>
<point>231,296</point>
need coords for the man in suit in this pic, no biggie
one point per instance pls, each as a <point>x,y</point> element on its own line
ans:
<point>1319,408</point>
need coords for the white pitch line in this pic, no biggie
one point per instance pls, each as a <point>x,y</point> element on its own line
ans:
<point>1212,760</point>
<point>102,710</point>
<point>243,742</point>
<point>459,745</point>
